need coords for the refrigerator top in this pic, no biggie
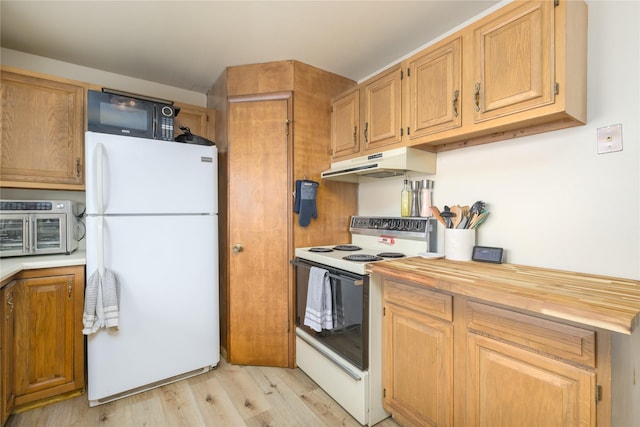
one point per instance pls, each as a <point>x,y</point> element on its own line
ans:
<point>143,176</point>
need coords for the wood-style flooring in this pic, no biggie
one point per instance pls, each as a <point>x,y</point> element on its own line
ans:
<point>229,396</point>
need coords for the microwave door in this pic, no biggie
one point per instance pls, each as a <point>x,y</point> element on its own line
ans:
<point>14,235</point>
<point>48,233</point>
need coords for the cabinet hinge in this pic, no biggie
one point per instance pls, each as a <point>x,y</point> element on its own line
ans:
<point>408,72</point>
<point>598,392</point>
<point>286,127</point>
<point>401,132</point>
<point>384,392</point>
<point>557,88</point>
<point>408,130</point>
<point>401,75</point>
<point>384,311</point>
<point>69,288</point>
<point>556,3</point>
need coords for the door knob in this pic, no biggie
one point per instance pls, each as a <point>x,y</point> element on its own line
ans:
<point>237,248</point>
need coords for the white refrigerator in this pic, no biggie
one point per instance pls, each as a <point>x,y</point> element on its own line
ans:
<point>156,204</point>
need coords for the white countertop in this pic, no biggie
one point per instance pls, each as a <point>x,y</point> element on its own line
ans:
<point>11,266</point>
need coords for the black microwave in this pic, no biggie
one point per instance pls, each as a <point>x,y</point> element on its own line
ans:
<point>120,114</point>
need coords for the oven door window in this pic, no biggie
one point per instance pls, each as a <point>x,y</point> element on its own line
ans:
<point>349,296</point>
<point>48,233</point>
<point>13,234</point>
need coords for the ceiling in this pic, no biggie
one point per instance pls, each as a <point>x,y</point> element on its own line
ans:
<point>187,44</point>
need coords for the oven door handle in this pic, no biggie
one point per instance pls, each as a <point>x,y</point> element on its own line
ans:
<point>356,282</point>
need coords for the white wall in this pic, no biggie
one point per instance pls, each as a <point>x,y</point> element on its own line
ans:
<point>103,78</point>
<point>554,201</point>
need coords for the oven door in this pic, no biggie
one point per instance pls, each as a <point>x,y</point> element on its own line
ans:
<point>350,309</point>
<point>14,235</point>
<point>48,234</point>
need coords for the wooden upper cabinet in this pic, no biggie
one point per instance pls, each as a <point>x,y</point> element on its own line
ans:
<point>435,78</point>
<point>345,121</point>
<point>381,104</point>
<point>514,60</point>
<point>200,120</point>
<point>42,131</point>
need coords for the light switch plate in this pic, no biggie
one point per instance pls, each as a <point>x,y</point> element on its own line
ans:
<point>610,139</point>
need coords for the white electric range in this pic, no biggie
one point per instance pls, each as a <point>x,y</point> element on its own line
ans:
<point>346,361</point>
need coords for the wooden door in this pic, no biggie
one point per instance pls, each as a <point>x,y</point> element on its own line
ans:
<point>42,132</point>
<point>259,217</point>
<point>508,386</point>
<point>7,361</point>
<point>382,109</point>
<point>435,80</point>
<point>49,349</point>
<point>345,118</point>
<point>513,63</point>
<point>417,367</point>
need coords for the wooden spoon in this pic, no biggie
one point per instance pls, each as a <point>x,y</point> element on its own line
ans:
<point>436,214</point>
<point>458,211</point>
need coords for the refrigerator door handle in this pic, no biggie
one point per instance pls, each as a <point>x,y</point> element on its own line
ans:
<point>99,177</point>
<point>99,194</point>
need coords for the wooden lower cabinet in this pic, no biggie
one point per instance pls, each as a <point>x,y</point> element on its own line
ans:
<point>509,386</point>
<point>450,361</point>
<point>417,377</point>
<point>7,364</point>
<point>48,340</point>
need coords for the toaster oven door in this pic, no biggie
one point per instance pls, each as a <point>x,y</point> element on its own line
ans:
<point>48,234</point>
<point>14,235</point>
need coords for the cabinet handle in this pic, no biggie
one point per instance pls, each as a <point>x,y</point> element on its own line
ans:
<point>78,167</point>
<point>476,96</point>
<point>366,132</point>
<point>456,95</point>
<point>10,303</point>
<point>355,134</point>
<point>69,289</point>
<point>237,248</point>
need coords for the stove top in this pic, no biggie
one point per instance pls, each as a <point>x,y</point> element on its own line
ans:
<point>375,239</point>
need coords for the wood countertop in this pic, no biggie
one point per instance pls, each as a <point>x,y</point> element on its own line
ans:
<point>608,303</point>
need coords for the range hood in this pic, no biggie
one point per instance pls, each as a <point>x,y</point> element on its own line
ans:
<point>384,164</point>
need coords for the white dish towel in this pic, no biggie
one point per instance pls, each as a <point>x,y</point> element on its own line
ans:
<point>101,302</point>
<point>318,313</point>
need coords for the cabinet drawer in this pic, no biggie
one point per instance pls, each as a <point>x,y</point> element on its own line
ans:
<point>564,341</point>
<point>418,298</point>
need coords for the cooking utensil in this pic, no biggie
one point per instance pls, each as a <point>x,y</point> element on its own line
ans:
<point>436,213</point>
<point>189,138</point>
<point>457,210</point>
<point>479,220</point>
<point>463,222</point>
<point>477,207</point>
<point>447,215</point>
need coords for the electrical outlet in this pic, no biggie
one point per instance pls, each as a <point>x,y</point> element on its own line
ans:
<point>610,139</point>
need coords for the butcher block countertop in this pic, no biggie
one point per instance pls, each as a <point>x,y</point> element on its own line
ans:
<point>608,303</point>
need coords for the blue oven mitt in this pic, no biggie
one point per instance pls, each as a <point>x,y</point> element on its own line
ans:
<point>307,198</point>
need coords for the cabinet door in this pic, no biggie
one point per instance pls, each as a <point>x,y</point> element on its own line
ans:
<point>382,108</point>
<point>345,116</point>
<point>417,367</point>
<point>48,336</point>
<point>508,386</point>
<point>258,255</point>
<point>7,365</point>
<point>42,132</point>
<point>199,120</point>
<point>513,60</point>
<point>434,90</point>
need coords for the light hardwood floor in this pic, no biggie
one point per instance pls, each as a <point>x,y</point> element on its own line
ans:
<point>229,396</point>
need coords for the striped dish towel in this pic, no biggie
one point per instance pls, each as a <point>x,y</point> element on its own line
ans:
<point>101,302</point>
